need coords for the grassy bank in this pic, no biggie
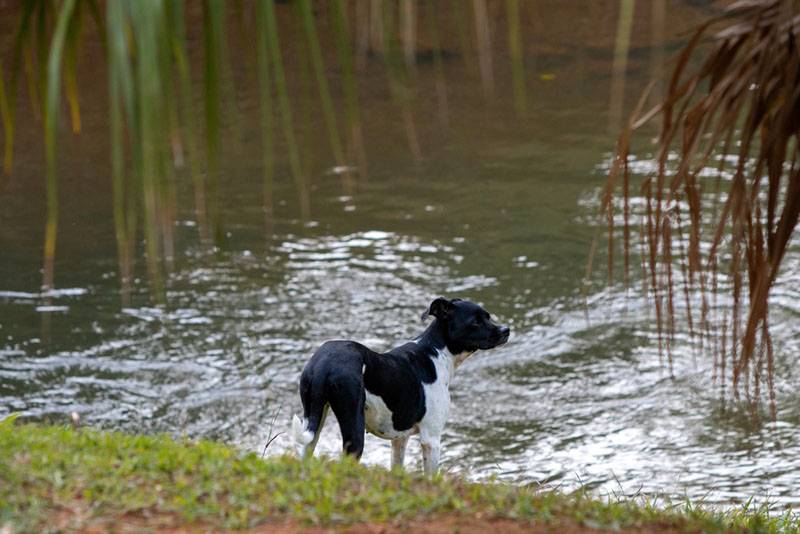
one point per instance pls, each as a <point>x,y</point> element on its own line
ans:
<point>56,477</point>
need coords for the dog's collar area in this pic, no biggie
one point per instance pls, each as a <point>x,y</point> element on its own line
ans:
<point>455,359</point>
<point>458,359</point>
<point>433,337</point>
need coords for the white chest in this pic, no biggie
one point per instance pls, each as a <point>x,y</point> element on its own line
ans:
<point>437,396</point>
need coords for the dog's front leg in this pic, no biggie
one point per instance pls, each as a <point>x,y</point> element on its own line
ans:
<point>399,451</point>
<point>430,453</point>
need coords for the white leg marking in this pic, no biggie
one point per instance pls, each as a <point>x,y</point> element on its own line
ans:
<point>431,448</point>
<point>399,451</point>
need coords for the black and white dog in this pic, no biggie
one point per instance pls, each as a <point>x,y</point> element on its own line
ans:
<point>393,395</point>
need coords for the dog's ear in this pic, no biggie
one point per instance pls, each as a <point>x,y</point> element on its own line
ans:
<point>439,308</point>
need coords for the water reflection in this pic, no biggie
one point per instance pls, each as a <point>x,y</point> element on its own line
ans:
<point>499,207</point>
<point>565,403</point>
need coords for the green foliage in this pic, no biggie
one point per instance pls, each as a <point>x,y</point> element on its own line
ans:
<point>54,65</point>
<point>155,129</point>
<point>267,23</point>
<point>86,477</point>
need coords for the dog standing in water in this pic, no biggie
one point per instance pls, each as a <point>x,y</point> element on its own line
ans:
<point>393,395</point>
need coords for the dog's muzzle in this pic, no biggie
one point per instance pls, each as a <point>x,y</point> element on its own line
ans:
<point>500,336</point>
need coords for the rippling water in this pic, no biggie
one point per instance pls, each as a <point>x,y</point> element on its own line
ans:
<point>500,210</point>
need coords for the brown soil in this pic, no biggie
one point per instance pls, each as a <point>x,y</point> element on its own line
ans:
<point>446,524</point>
<point>454,524</point>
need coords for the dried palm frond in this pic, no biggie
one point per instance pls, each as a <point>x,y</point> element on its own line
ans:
<point>745,95</point>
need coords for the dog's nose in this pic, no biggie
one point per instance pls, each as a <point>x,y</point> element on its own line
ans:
<point>504,331</point>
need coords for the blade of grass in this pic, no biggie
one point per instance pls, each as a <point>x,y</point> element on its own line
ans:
<point>516,52</point>
<point>619,67</point>
<point>8,127</point>
<point>438,64</point>
<point>21,52</point>
<point>345,55</point>
<point>399,83</point>
<point>117,57</point>
<point>175,13</point>
<point>324,91</point>
<point>213,14</point>
<point>54,68</point>
<point>149,87</point>
<point>71,52</point>
<point>266,113</point>
<point>273,42</point>
<point>483,40</point>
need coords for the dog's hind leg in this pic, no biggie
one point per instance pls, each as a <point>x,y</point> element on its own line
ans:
<point>348,406</point>
<point>399,451</point>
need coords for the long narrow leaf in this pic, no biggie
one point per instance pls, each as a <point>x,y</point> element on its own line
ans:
<point>54,64</point>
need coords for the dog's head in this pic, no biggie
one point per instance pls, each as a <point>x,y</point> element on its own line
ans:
<point>466,326</point>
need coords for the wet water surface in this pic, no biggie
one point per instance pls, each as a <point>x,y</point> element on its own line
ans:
<point>500,209</point>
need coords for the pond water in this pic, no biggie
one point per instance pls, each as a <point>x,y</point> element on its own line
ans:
<point>500,209</point>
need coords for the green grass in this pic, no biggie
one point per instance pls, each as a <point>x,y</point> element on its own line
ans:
<point>61,477</point>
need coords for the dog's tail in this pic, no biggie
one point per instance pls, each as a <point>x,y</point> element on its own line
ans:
<point>302,434</point>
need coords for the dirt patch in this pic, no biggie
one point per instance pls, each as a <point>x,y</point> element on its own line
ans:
<point>462,525</point>
<point>453,524</point>
<point>168,524</point>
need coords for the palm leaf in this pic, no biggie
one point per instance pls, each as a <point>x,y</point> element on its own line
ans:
<point>746,89</point>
